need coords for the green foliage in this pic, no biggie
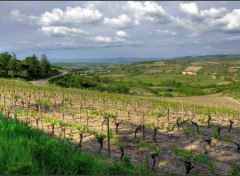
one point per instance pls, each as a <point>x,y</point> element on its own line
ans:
<point>192,155</point>
<point>14,65</point>
<point>24,150</point>
<point>228,139</point>
<point>187,155</point>
<point>190,132</point>
<point>204,159</point>
<point>215,135</point>
<point>44,65</point>
<point>93,83</point>
<point>33,67</point>
<point>4,60</point>
<point>234,171</point>
<point>168,95</point>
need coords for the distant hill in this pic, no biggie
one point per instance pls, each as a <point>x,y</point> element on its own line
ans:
<point>209,57</point>
<point>121,60</point>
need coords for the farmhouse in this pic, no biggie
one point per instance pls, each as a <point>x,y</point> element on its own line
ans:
<point>191,70</point>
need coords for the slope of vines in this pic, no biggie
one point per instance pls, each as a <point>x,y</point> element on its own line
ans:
<point>140,129</point>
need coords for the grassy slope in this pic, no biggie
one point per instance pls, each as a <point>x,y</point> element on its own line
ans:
<point>24,150</point>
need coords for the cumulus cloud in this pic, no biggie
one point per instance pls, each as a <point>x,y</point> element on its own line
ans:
<point>149,11</point>
<point>213,12</point>
<point>63,27</point>
<point>121,34</point>
<point>60,31</point>
<point>189,8</point>
<point>122,21</point>
<point>75,15</point>
<point>232,20</point>
<point>165,31</point>
<point>71,16</point>
<point>213,19</point>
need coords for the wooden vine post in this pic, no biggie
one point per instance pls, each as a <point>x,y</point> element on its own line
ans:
<point>108,135</point>
<point>168,115</point>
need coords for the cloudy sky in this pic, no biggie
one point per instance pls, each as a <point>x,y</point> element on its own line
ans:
<point>66,30</point>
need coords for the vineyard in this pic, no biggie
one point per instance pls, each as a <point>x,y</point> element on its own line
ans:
<point>170,137</point>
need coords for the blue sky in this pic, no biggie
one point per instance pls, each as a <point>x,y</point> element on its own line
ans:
<point>67,30</point>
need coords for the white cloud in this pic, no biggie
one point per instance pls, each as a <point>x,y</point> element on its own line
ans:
<point>62,31</point>
<point>213,12</point>
<point>71,16</point>
<point>165,31</point>
<point>121,34</point>
<point>17,16</point>
<point>122,21</point>
<point>232,20</point>
<point>103,39</point>
<point>107,40</point>
<point>149,11</point>
<point>189,8</point>
<point>231,38</point>
<point>213,19</point>
<point>76,15</point>
<point>50,44</point>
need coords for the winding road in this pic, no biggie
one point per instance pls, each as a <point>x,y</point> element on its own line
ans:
<point>43,82</point>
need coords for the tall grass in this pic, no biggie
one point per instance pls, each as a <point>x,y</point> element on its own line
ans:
<point>24,150</point>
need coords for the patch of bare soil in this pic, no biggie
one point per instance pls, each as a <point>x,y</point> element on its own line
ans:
<point>216,100</point>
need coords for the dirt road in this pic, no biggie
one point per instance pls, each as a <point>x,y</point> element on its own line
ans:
<point>43,82</point>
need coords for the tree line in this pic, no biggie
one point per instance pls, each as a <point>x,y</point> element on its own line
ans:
<point>31,65</point>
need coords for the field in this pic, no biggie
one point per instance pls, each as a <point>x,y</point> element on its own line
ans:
<point>166,78</point>
<point>161,134</point>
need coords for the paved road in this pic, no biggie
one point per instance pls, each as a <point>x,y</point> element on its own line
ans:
<point>43,82</point>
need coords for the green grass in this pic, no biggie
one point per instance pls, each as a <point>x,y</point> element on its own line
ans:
<point>187,155</point>
<point>215,135</point>
<point>234,171</point>
<point>192,155</point>
<point>24,150</point>
<point>159,78</point>
<point>204,159</point>
<point>235,94</point>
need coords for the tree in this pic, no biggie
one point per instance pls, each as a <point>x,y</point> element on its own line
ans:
<point>14,65</point>
<point>4,59</point>
<point>44,65</point>
<point>33,69</point>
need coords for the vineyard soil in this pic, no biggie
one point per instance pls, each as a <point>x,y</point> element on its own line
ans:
<point>75,111</point>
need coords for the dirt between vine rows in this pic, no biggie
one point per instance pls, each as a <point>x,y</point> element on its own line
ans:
<point>223,154</point>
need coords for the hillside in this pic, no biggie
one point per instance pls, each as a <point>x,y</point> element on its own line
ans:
<point>143,131</point>
<point>26,151</point>
<point>165,78</point>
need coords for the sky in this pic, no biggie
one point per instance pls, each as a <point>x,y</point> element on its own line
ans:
<point>114,29</point>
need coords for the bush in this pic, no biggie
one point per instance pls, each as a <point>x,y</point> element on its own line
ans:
<point>168,95</point>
